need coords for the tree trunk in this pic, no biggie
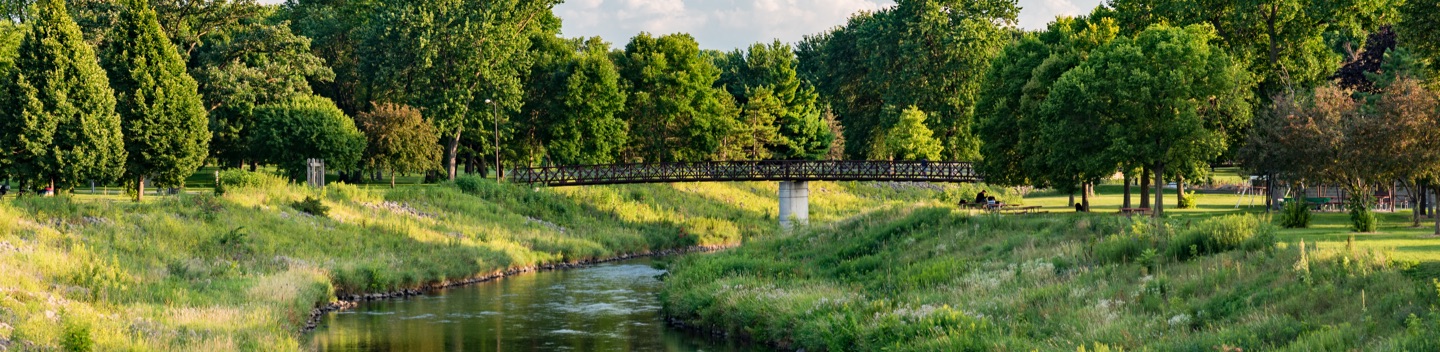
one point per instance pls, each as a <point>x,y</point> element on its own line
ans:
<point>1144,187</point>
<point>1422,199</point>
<point>1414,215</point>
<point>1159,189</point>
<point>450,154</point>
<point>1179,190</point>
<point>1437,225</point>
<point>392,178</point>
<point>1071,203</point>
<point>1127,190</point>
<point>1085,196</point>
<point>1269,192</point>
<point>470,166</point>
<point>139,188</point>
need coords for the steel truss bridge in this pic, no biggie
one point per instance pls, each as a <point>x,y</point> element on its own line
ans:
<point>731,171</point>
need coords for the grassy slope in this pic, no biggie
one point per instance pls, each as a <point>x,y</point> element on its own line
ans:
<point>241,271</point>
<point>933,278</point>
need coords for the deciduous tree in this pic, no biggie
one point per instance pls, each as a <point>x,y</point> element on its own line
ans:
<point>673,102</point>
<point>287,133</point>
<point>398,140</point>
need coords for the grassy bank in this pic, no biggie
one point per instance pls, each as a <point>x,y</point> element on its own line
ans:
<point>242,270</point>
<point>931,278</point>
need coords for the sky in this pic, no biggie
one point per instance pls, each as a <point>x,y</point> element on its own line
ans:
<point>730,24</point>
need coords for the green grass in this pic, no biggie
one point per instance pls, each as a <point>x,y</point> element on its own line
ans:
<point>241,271</point>
<point>929,278</point>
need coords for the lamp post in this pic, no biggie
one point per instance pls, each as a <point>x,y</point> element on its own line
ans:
<point>494,111</point>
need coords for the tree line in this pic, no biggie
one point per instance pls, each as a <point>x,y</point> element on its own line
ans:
<point>1298,91</point>
<point>146,91</point>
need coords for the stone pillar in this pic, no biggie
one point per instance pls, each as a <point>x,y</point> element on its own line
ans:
<point>794,203</point>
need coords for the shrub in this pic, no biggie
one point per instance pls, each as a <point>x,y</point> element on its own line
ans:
<point>1361,218</point>
<point>1222,234</point>
<point>1295,215</point>
<point>312,206</point>
<point>76,336</point>
<point>237,178</point>
<point>1187,200</point>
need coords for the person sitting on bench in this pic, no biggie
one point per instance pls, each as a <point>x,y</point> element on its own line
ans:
<point>980,198</point>
<point>991,203</point>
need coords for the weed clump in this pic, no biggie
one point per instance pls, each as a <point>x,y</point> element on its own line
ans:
<point>237,178</point>
<point>312,206</point>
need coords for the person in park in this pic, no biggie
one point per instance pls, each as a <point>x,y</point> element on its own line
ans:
<point>4,189</point>
<point>980,198</point>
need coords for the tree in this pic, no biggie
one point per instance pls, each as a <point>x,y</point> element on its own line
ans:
<point>57,112</point>
<point>673,101</point>
<point>251,63</point>
<point>165,132</point>
<point>928,53</point>
<point>1419,29</point>
<point>757,130</point>
<point>335,28</point>
<point>1167,97</point>
<point>909,139</point>
<point>573,101</point>
<point>448,57</point>
<point>1012,120</point>
<point>398,140</point>
<point>288,133</point>
<point>801,133</point>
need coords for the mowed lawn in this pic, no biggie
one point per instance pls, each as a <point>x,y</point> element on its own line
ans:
<point>1328,229</point>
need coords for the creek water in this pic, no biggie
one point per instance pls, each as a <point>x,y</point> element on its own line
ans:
<point>608,307</point>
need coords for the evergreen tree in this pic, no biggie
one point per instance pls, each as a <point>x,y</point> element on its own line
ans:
<point>165,127</point>
<point>57,113</point>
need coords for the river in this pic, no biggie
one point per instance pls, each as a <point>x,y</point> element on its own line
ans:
<point>608,307</point>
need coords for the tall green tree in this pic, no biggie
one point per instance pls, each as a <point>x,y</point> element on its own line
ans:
<point>1419,29</point>
<point>802,133</point>
<point>928,53</point>
<point>164,123</point>
<point>448,57</point>
<point>287,133</point>
<point>673,101</point>
<point>335,28</point>
<point>1010,120</point>
<point>1167,97</point>
<point>574,100</point>
<point>57,112</point>
<point>251,63</point>
<point>398,140</point>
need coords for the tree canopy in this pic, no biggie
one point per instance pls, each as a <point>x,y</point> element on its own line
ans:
<point>287,133</point>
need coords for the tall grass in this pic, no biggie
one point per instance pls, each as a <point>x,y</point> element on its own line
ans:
<point>241,271</point>
<point>931,278</point>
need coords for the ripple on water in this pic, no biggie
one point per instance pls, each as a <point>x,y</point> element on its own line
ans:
<point>422,316</point>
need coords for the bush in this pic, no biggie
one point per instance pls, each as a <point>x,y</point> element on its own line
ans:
<point>76,336</point>
<point>238,178</point>
<point>1295,215</point>
<point>1122,248</point>
<point>312,206</point>
<point>1222,234</point>
<point>1187,200</point>
<point>286,134</point>
<point>1361,218</point>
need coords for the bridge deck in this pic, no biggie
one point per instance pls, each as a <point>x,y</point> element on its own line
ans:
<point>770,170</point>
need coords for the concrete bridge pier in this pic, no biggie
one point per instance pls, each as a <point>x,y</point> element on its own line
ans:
<point>794,204</point>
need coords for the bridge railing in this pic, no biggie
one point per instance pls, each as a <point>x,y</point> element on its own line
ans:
<point>768,170</point>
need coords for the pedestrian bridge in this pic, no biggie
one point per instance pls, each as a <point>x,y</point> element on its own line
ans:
<point>793,176</point>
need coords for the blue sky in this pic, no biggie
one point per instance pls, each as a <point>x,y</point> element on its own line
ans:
<point>729,24</point>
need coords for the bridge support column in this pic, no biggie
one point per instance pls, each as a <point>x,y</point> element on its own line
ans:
<point>794,204</point>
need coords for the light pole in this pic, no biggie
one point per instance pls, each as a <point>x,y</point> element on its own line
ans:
<point>494,111</point>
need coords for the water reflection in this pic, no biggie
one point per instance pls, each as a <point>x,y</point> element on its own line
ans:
<point>610,307</point>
